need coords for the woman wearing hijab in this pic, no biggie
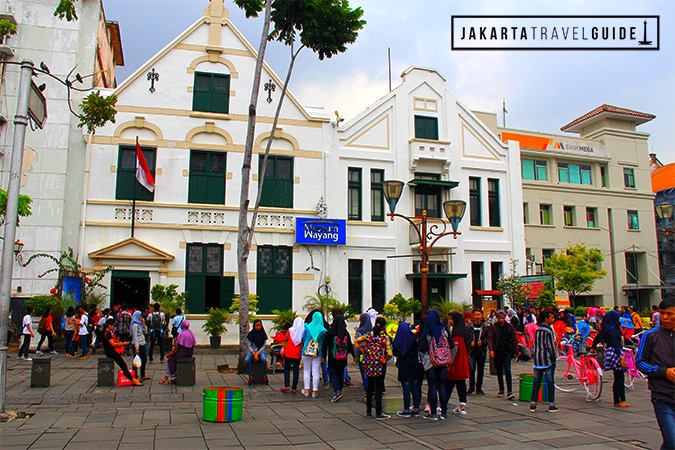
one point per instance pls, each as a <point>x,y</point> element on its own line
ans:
<point>184,348</point>
<point>610,336</point>
<point>336,348</point>
<point>312,342</point>
<point>364,328</point>
<point>256,339</point>
<point>292,354</point>
<point>138,331</point>
<point>436,375</point>
<point>459,371</point>
<point>409,369</point>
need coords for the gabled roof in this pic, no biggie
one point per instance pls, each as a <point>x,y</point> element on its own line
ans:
<point>132,249</point>
<point>663,178</point>
<point>604,111</point>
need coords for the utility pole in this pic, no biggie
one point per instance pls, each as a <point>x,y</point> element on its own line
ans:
<point>11,218</point>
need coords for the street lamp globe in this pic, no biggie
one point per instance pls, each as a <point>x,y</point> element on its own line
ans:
<point>454,211</point>
<point>392,193</point>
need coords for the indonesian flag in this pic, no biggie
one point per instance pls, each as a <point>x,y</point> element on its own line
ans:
<point>143,174</point>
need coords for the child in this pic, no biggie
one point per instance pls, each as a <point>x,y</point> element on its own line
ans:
<point>376,350</point>
<point>544,357</point>
<point>292,353</point>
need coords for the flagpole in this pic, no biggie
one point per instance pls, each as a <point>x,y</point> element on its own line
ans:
<point>133,202</point>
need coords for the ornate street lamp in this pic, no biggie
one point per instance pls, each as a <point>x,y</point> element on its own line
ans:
<point>428,235</point>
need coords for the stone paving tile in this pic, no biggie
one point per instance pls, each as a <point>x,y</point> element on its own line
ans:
<point>261,441</point>
<point>357,444</point>
<point>303,439</point>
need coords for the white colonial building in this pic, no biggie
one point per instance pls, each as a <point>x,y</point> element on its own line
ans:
<point>421,134</point>
<point>192,131</point>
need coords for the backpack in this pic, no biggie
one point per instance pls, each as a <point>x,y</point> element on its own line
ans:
<point>312,349</point>
<point>340,348</point>
<point>42,326</point>
<point>373,357</point>
<point>123,322</point>
<point>155,321</point>
<point>440,353</point>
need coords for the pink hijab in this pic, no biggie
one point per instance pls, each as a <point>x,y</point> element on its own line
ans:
<point>186,337</point>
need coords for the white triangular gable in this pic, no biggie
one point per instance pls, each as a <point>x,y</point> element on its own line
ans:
<point>375,136</point>
<point>475,146</point>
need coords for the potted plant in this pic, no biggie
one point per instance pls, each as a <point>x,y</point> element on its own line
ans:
<point>283,319</point>
<point>216,318</point>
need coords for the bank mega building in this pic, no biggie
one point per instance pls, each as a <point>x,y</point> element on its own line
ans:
<point>593,189</point>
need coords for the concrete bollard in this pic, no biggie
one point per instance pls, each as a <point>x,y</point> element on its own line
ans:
<point>41,372</point>
<point>185,372</point>
<point>105,372</point>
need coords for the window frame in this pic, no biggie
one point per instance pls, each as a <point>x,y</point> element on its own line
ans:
<point>126,176</point>
<point>475,202</point>
<point>204,100</point>
<point>633,218</point>
<point>494,203</point>
<point>537,166</point>
<point>426,127</point>
<point>214,190</point>
<point>278,192</point>
<point>427,194</point>
<point>591,211</point>
<point>377,195</point>
<point>629,177</point>
<point>548,209</point>
<point>354,192</point>
<point>569,216</point>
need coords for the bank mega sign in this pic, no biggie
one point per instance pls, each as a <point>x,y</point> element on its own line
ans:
<point>320,231</point>
<point>557,144</point>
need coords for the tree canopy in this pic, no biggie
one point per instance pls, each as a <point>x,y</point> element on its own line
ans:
<point>575,269</point>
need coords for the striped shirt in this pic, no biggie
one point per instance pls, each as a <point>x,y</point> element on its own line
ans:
<point>543,349</point>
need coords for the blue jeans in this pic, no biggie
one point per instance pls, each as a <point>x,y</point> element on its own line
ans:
<point>536,384</point>
<point>436,389</point>
<point>324,373</point>
<point>665,416</point>
<point>84,343</point>
<point>336,375</point>
<point>410,389</point>
<point>249,359</point>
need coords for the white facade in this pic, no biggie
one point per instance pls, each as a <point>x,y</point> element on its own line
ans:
<point>167,122</point>
<point>53,159</point>
<point>383,137</point>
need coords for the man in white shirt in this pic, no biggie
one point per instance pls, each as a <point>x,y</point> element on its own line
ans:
<point>83,333</point>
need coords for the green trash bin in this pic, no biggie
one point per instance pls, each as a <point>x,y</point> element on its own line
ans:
<point>526,381</point>
<point>222,404</point>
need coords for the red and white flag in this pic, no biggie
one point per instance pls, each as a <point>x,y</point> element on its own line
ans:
<point>143,174</point>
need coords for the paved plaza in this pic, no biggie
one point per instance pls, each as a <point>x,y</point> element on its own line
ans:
<point>73,413</point>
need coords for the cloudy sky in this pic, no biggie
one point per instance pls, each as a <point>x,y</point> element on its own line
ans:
<point>543,90</point>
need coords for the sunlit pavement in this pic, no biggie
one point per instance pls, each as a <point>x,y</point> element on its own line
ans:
<point>73,413</point>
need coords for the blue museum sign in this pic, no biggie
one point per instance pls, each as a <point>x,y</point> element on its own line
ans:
<point>320,231</point>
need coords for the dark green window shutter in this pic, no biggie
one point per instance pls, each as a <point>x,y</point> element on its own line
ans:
<point>426,127</point>
<point>126,174</point>
<point>211,92</point>
<point>277,190</point>
<point>207,177</point>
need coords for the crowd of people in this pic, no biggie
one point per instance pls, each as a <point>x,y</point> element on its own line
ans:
<point>446,352</point>
<point>119,331</point>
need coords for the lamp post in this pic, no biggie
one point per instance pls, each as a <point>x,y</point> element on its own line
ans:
<point>428,235</point>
